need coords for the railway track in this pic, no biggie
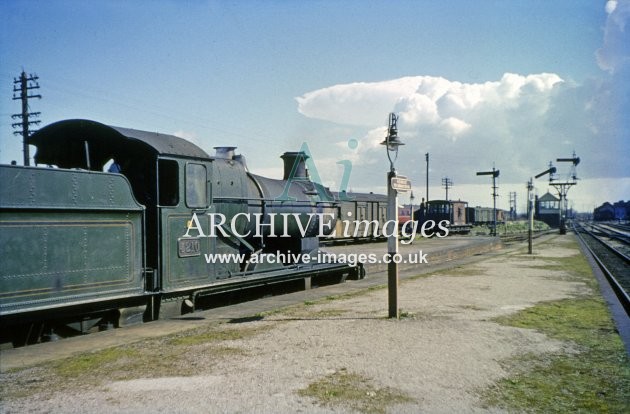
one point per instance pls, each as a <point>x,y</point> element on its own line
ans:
<point>519,237</point>
<point>618,235</point>
<point>620,226</point>
<point>614,263</point>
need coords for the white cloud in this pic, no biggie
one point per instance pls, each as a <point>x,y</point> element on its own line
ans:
<point>455,126</point>
<point>462,117</point>
<point>421,100</point>
<point>614,55</point>
<point>611,5</point>
<point>518,123</point>
<point>358,103</point>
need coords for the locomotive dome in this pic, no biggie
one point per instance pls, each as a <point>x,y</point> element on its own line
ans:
<point>66,143</point>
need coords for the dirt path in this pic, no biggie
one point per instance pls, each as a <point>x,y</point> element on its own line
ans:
<point>435,359</point>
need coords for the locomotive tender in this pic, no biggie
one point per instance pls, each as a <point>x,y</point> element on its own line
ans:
<point>78,244</point>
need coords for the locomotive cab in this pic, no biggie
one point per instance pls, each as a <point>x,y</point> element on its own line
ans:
<point>138,155</point>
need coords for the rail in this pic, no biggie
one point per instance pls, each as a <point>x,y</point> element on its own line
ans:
<point>618,288</point>
<point>519,237</point>
<point>612,232</point>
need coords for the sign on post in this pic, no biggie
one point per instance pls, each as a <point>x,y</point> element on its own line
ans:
<point>401,184</point>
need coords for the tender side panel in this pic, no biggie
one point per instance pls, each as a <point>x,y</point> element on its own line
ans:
<point>63,258</point>
<point>61,247</point>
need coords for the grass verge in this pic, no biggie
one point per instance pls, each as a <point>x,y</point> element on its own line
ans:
<point>593,378</point>
<point>181,354</point>
<point>349,390</point>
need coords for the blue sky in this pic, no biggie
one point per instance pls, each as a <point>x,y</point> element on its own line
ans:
<point>514,83</point>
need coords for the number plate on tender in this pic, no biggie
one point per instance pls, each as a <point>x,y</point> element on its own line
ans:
<point>188,247</point>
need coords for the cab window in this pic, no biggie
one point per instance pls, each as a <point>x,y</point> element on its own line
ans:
<point>196,186</point>
<point>169,182</point>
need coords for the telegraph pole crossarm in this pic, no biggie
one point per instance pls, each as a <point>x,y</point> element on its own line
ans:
<point>447,183</point>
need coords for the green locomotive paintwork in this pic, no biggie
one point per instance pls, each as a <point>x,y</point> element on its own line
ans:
<point>67,237</point>
<point>76,242</point>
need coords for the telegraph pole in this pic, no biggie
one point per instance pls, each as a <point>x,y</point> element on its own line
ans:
<point>530,214</point>
<point>426,156</point>
<point>447,183</point>
<point>26,83</point>
<point>411,198</point>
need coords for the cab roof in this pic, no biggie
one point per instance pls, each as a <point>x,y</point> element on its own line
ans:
<point>63,144</point>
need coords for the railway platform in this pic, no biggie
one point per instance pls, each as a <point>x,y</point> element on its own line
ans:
<point>473,330</point>
<point>440,253</point>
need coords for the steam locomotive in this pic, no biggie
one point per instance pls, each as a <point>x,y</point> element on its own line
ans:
<point>78,244</point>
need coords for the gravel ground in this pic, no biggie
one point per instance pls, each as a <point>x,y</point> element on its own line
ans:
<point>443,351</point>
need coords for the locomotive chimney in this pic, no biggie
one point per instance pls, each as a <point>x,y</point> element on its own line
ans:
<point>290,159</point>
<point>225,152</point>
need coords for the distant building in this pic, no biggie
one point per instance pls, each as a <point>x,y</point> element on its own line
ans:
<point>607,212</point>
<point>604,212</point>
<point>548,209</point>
